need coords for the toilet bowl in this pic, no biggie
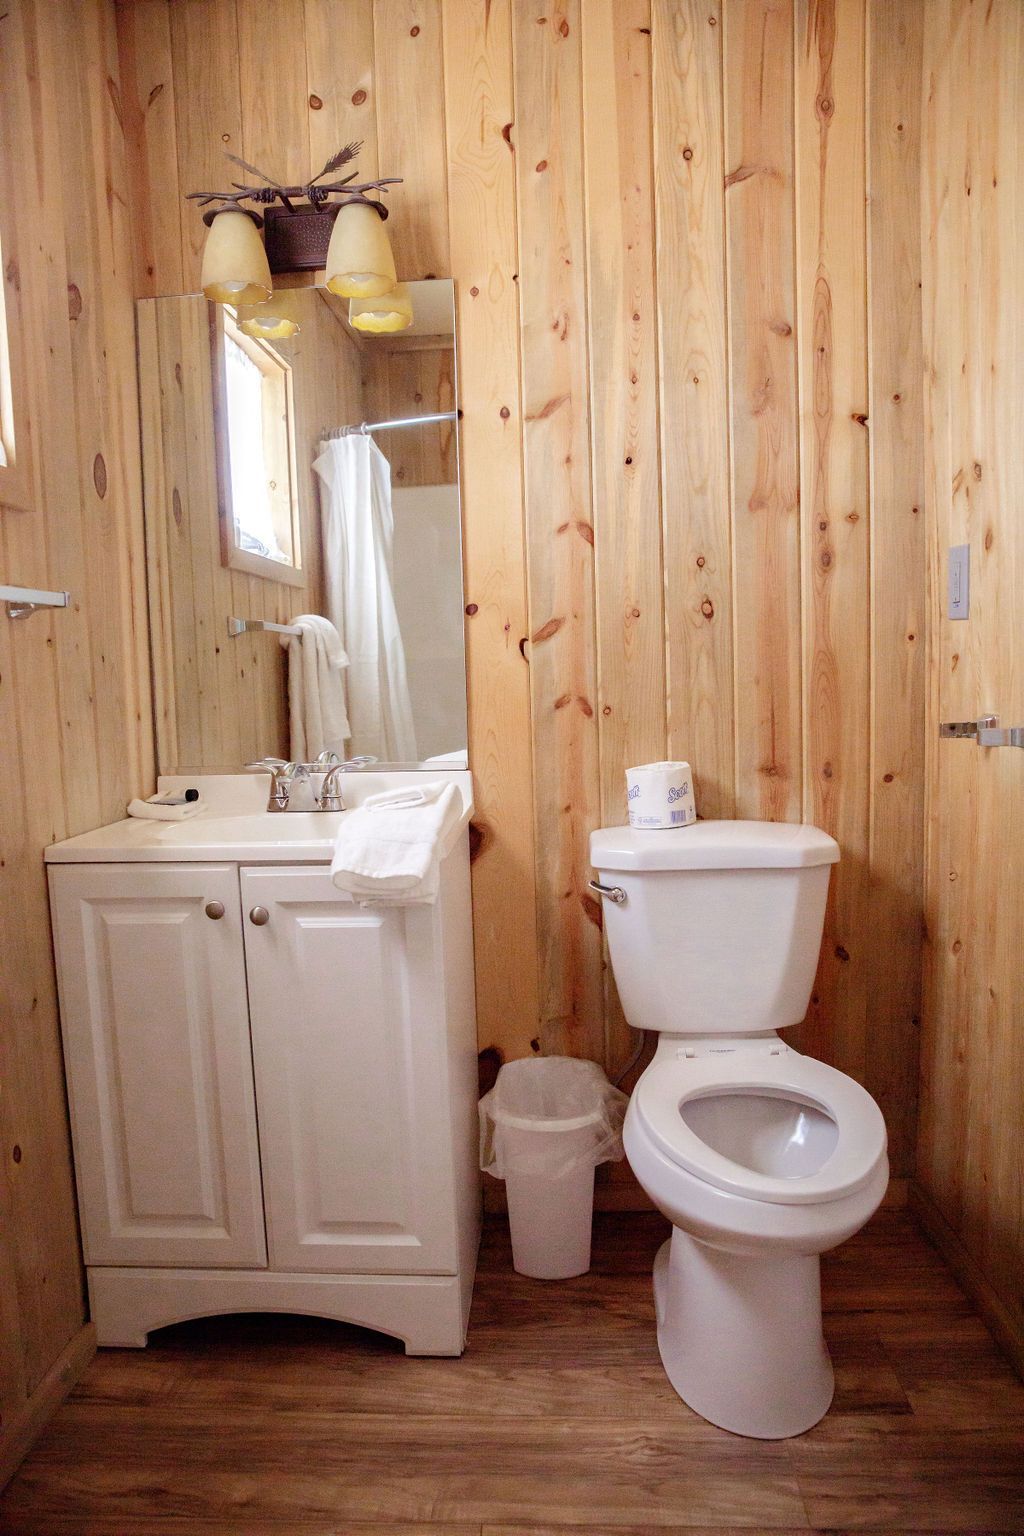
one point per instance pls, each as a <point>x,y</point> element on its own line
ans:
<point>761,1158</point>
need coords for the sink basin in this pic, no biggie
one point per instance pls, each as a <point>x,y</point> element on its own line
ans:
<point>235,827</point>
<point>261,827</point>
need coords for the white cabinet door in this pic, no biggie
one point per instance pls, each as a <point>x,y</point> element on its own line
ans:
<point>156,1041</point>
<point>349,1051</point>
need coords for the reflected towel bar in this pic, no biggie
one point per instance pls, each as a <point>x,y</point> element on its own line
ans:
<point>25,600</point>
<point>240,626</point>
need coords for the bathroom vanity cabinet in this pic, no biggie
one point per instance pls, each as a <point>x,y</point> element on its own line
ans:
<point>273,1095</point>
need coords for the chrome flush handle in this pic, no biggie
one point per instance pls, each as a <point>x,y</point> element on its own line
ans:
<point>613,893</point>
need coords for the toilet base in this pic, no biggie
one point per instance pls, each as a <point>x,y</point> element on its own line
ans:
<point>740,1336</point>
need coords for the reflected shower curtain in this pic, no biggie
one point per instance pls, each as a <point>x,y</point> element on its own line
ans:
<point>358,532</point>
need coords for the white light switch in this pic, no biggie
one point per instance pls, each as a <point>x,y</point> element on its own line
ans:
<point>959,581</point>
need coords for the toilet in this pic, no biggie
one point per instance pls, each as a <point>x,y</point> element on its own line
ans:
<point>761,1158</point>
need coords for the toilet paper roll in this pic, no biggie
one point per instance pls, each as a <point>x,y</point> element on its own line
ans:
<point>660,795</point>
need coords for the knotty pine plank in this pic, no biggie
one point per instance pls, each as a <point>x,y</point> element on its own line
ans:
<point>622,336</point>
<point>560,526</point>
<point>342,89</point>
<point>51,783</point>
<point>969,1162</point>
<point>688,137</point>
<point>207,114</point>
<point>972,1051</point>
<point>101,326</point>
<point>836,515</point>
<point>481,149</point>
<point>760,218</point>
<point>273,90</point>
<point>898,562</point>
<point>148,109</point>
<point>409,66</point>
<point>623,383</point>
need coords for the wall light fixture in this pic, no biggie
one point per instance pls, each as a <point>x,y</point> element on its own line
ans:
<point>333,225</point>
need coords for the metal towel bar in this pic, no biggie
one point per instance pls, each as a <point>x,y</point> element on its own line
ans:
<point>241,626</point>
<point>22,601</point>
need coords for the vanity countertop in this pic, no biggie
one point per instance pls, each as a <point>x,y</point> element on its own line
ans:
<point>234,825</point>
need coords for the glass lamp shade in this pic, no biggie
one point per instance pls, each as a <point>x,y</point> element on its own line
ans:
<point>235,268</point>
<point>391,312</point>
<point>360,263</point>
<point>267,322</point>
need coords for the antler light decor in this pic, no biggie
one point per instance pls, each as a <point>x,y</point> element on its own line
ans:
<point>333,225</point>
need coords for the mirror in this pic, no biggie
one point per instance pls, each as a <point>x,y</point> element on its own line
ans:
<point>266,503</point>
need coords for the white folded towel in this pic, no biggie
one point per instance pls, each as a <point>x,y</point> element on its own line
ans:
<point>146,810</point>
<point>317,715</point>
<point>388,850</point>
<point>415,794</point>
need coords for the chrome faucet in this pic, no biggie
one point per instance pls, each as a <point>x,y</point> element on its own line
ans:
<point>284,776</point>
<point>330,797</point>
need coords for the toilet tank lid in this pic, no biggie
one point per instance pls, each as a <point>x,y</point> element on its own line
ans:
<point>714,845</point>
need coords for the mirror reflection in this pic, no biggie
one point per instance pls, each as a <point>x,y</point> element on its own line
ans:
<point>303,531</point>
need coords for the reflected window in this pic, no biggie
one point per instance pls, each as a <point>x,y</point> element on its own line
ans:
<point>253,387</point>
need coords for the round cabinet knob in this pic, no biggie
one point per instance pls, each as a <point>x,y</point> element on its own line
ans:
<point>215,909</point>
<point>259,916</point>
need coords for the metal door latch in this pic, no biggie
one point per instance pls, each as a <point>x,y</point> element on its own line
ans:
<point>968,730</point>
<point>1008,736</point>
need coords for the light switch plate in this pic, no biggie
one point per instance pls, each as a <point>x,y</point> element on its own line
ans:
<point>959,605</point>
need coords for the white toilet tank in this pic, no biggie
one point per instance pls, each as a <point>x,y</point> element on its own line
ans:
<point>721,924</point>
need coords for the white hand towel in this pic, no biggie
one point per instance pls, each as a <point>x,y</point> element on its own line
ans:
<point>416,794</point>
<point>390,853</point>
<point>145,810</point>
<point>318,718</point>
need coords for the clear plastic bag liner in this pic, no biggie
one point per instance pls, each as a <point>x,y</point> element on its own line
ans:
<point>550,1115</point>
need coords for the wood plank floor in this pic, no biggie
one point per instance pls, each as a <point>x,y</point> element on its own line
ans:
<point>557,1418</point>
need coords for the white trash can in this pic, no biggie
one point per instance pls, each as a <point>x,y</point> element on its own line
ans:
<point>544,1127</point>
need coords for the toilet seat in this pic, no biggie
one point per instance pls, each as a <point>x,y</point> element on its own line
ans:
<point>775,1071</point>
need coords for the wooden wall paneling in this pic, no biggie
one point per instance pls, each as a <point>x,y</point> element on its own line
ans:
<point>158,499</point>
<point>937,962</point>
<point>408,452</point>
<point>217,691</point>
<point>57,782</point>
<point>898,562</point>
<point>148,116</point>
<point>688,134</point>
<point>481,145</point>
<point>1003,562</point>
<point>273,94</point>
<point>953,918</point>
<point>973,1058</point>
<point>835,511</point>
<point>560,530</point>
<point>746,174</point>
<point>51,542</point>
<point>208,114</point>
<point>340,78</point>
<point>623,385</point>
<point>73,693</point>
<point>102,330</point>
<point>170,516</point>
<point>409,64</point>
<point>760,216</point>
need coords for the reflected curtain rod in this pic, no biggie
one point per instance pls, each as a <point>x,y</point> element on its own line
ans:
<point>386,426</point>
